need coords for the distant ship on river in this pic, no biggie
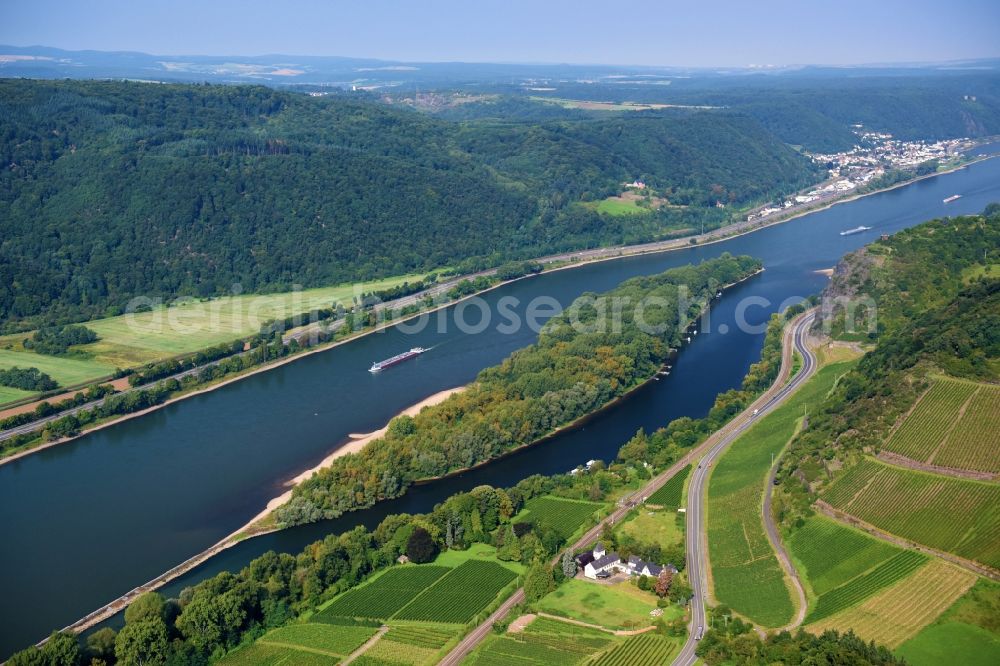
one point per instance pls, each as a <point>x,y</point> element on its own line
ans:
<point>855,230</point>
<point>398,358</point>
<point>953,198</point>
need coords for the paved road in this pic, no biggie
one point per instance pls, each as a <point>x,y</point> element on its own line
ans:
<point>696,548</point>
<point>725,434</point>
<point>779,547</point>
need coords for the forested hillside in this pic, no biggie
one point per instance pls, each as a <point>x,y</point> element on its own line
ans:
<point>938,312</point>
<point>114,189</point>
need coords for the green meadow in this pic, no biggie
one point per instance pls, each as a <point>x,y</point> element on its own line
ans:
<point>184,327</point>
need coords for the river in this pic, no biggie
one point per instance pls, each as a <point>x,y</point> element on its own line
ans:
<point>85,522</point>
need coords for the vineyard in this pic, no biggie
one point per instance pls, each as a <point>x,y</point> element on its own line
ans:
<point>544,641</point>
<point>974,444</point>
<point>670,493</point>
<point>563,515</point>
<point>867,584</point>
<point>410,645</point>
<point>457,596</point>
<point>949,514</point>
<point>259,654</point>
<point>650,649</point>
<point>829,554</point>
<point>955,424</point>
<point>385,595</point>
<point>338,640</point>
<point>899,612</point>
<point>745,571</point>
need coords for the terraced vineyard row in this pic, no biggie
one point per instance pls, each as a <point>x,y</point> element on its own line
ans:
<point>671,492</point>
<point>974,443</point>
<point>385,595</point>
<point>900,611</point>
<point>461,593</point>
<point>949,514</point>
<point>545,641</point>
<point>867,584</point>
<point>563,515</point>
<point>924,429</point>
<point>649,649</point>
<point>830,554</point>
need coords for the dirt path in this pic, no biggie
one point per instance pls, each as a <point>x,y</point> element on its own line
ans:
<point>903,461</point>
<point>581,623</point>
<point>367,646</point>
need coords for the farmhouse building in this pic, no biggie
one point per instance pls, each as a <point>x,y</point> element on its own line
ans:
<point>599,563</point>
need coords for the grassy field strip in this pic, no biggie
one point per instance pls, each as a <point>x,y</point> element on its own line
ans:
<point>67,371</point>
<point>130,340</point>
<point>900,611</point>
<point>8,394</point>
<point>745,569</point>
<point>957,516</point>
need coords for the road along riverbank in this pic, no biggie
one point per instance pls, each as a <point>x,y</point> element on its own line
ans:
<point>562,261</point>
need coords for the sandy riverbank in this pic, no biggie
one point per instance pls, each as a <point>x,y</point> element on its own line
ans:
<point>356,443</point>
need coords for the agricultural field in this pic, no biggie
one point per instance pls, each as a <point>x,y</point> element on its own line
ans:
<point>663,526</point>
<point>670,494</point>
<point>954,424</point>
<point>565,516</point>
<point>544,641</point>
<point>954,515</point>
<point>828,554</point>
<point>328,638</point>
<point>901,610</point>
<point>895,569</point>
<point>259,654</point>
<point>185,327</point>
<point>620,606</point>
<point>8,394</point>
<point>745,571</point>
<point>308,644</point>
<point>968,633</point>
<point>385,595</point>
<point>66,370</point>
<point>649,649</point>
<point>397,652</point>
<point>619,206</point>
<point>460,594</point>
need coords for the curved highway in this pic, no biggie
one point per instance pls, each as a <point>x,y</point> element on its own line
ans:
<point>779,390</point>
<point>697,554</point>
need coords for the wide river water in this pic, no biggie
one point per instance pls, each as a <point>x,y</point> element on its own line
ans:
<point>83,523</point>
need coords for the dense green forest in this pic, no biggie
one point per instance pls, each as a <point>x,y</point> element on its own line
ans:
<point>936,313</point>
<point>115,189</point>
<point>580,362</point>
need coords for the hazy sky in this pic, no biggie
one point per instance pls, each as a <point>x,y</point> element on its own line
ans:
<point>584,31</point>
